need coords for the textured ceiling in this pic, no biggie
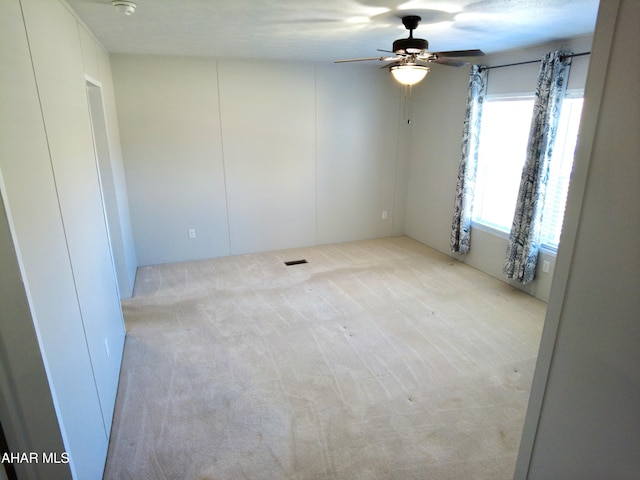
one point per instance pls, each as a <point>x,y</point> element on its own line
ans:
<point>327,30</point>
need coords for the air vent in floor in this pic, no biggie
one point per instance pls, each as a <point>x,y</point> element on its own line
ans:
<point>295,262</point>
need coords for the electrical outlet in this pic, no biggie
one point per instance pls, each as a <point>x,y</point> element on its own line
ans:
<point>192,233</point>
<point>546,266</point>
<point>384,215</point>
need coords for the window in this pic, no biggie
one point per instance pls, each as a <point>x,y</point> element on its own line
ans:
<point>503,146</point>
<point>560,171</point>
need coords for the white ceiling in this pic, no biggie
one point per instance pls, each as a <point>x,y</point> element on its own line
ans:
<point>327,30</point>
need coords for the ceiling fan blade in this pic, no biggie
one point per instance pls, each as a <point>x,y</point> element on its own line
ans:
<point>461,53</point>
<point>382,59</point>
<point>449,62</point>
<point>386,51</point>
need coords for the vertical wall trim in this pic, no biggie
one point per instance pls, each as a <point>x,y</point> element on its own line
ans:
<point>224,164</point>
<point>315,150</point>
<point>400,137</point>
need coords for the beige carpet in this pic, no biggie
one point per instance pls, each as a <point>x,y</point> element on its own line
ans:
<point>378,359</point>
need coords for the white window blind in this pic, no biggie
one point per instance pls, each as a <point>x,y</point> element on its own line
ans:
<point>503,145</point>
<point>560,171</point>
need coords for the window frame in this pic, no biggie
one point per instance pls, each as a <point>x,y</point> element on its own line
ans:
<point>490,228</point>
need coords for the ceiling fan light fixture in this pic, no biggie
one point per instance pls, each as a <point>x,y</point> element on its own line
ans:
<point>409,74</point>
<point>124,6</point>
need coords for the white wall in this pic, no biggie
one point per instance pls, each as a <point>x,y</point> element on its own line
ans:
<point>52,195</point>
<point>168,113</point>
<point>583,420</point>
<point>438,105</point>
<point>256,155</point>
<point>438,114</point>
<point>357,153</point>
<point>268,133</point>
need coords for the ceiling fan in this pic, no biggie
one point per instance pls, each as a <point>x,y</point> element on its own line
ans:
<point>411,56</point>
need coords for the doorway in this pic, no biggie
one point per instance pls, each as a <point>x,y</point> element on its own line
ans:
<point>107,185</point>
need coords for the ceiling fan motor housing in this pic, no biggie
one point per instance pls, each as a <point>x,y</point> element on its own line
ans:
<point>410,45</point>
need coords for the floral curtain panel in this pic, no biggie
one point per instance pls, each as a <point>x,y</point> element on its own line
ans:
<point>461,226</point>
<point>522,250</point>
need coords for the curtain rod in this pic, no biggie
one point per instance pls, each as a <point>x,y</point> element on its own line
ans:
<point>533,61</point>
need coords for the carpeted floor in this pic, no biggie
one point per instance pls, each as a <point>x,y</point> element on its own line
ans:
<point>379,359</point>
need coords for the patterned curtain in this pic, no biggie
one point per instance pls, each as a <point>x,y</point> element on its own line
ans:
<point>522,250</point>
<point>461,226</point>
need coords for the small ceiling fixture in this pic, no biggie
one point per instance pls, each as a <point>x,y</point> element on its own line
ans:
<point>124,6</point>
<point>409,74</point>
